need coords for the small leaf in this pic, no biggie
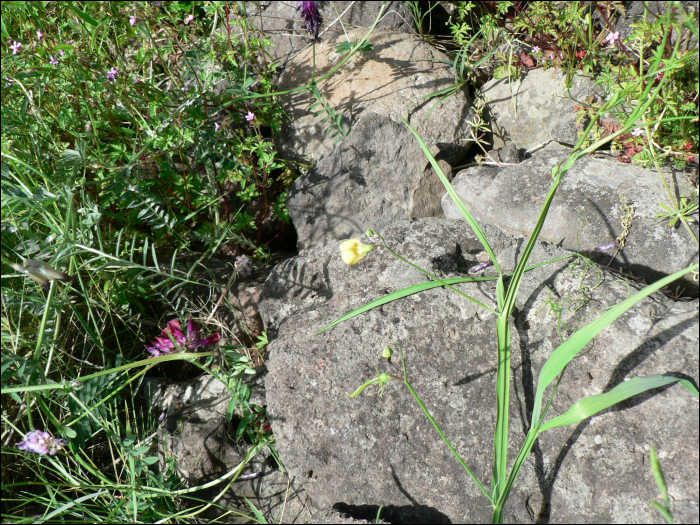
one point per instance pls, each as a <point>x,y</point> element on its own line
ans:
<point>343,47</point>
<point>525,59</point>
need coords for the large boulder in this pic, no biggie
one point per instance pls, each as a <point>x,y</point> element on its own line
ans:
<point>588,211</point>
<point>378,175</point>
<point>392,80</point>
<point>369,451</point>
<point>535,109</point>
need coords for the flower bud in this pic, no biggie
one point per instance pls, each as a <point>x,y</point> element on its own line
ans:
<point>387,353</point>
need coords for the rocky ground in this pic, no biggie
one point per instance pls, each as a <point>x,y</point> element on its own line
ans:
<point>347,457</point>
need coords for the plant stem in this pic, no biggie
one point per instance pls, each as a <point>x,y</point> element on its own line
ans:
<point>459,458</point>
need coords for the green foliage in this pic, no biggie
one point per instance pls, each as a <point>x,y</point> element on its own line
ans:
<point>123,146</point>
<point>335,118</point>
<point>139,123</point>
<point>576,38</point>
<point>664,509</point>
<point>344,47</point>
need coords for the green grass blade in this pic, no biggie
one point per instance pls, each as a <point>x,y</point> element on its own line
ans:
<point>563,355</point>
<point>500,437</point>
<point>422,287</point>
<point>402,293</point>
<point>664,511</point>
<point>660,480</point>
<point>258,514</point>
<point>591,405</point>
<point>83,15</point>
<point>455,198</point>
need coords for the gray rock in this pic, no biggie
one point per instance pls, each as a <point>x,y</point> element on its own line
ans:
<point>599,470</point>
<point>586,213</point>
<point>383,451</point>
<point>379,174</point>
<point>283,24</point>
<point>390,80</point>
<point>543,110</point>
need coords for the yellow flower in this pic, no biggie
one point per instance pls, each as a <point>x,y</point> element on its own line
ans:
<point>352,251</point>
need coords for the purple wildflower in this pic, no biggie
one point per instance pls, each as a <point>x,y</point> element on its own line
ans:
<point>70,41</point>
<point>244,266</point>
<point>612,37</point>
<point>41,442</point>
<point>217,126</point>
<point>61,52</point>
<point>112,73</point>
<point>481,267</point>
<point>9,82</point>
<point>250,116</point>
<point>189,19</point>
<point>53,61</point>
<point>309,12</point>
<point>39,34</point>
<point>606,247</point>
<point>15,47</point>
<point>164,345</point>
<point>132,20</point>
<point>536,50</point>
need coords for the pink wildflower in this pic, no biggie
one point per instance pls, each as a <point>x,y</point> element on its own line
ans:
<point>164,345</point>
<point>612,37</point>
<point>41,442</point>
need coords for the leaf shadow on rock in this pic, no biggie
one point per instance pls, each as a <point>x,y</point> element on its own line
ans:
<point>355,103</point>
<point>546,478</point>
<point>308,283</point>
<point>454,262</point>
<point>213,450</point>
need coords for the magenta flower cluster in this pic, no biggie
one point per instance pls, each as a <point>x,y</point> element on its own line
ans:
<point>165,345</point>
<point>41,442</point>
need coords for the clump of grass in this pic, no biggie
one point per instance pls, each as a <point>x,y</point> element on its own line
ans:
<point>119,145</point>
<point>131,133</point>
